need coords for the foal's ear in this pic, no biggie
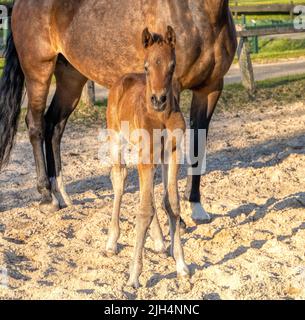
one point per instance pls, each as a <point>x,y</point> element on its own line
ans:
<point>147,38</point>
<point>170,37</point>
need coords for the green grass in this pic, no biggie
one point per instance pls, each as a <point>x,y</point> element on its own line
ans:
<point>279,45</point>
<point>275,49</point>
<point>1,65</point>
<point>278,91</point>
<point>269,57</point>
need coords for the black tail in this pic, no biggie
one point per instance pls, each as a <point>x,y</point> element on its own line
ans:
<point>11,93</point>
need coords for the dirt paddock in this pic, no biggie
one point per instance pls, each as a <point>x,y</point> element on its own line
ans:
<point>253,249</point>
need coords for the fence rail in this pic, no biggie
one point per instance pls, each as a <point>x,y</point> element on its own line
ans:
<point>265,8</point>
<point>259,31</point>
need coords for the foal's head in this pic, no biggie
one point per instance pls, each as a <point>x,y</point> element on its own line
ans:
<point>160,63</point>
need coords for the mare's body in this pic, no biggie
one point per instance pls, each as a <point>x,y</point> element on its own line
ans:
<point>100,40</point>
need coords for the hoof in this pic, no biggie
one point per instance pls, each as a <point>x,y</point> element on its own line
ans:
<point>133,283</point>
<point>67,203</point>
<point>183,271</point>
<point>48,207</point>
<point>110,253</point>
<point>160,247</point>
<point>199,215</point>
<point>111,250</point>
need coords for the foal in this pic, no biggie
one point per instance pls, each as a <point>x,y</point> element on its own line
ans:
<point>147,102</point>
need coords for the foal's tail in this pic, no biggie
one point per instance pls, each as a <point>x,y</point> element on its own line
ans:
<point>11,93</point>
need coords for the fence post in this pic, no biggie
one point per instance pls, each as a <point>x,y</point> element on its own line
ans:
<point>88,95</point>
<point>246,68</point>
<point>292,10</point>
<point>236,13</point>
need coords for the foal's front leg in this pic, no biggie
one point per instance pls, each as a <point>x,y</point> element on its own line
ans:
<point>118,178</point>
<point>172,207</point>
<point>143,221</point>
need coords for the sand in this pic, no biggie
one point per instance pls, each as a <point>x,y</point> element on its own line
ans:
<point>253,248</point>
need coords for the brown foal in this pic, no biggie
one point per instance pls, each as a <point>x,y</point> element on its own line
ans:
<point>147,102</point>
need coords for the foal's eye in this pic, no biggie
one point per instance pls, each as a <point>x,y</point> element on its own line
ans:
<point>146,68</point>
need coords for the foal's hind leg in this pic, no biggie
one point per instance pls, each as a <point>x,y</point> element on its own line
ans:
<point>69,85</point>
<point>38,78</point>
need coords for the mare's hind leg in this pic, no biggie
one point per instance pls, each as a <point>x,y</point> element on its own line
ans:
<point>38,78</point>
<point>69,86</point>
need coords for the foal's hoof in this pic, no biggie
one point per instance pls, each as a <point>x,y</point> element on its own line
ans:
<point>111,249</point>
<point>133,283</point>
<point>199,215</point>
<point>110,252</point>
<point>183,272</point>
<point>48,207</point>
<point>160,247</point>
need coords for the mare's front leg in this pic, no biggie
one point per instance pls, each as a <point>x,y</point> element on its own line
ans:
<point>202,109</point>
<point>143,221</point>
<point>69,86</point>
<point>172,207</point>
<point>38,78</point>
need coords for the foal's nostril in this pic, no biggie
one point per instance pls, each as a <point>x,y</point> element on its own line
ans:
<point>154,100</point>
<point>163,99</point>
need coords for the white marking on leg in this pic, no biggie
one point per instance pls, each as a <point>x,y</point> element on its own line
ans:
<point>198,213</point>
<point>54,201</point>
<point>58,186</point>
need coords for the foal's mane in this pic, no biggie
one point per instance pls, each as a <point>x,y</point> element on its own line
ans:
<point>158,38</point>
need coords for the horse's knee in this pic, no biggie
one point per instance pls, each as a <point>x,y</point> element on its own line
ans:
<point>118,178</point>
<point>35,128</point>
<point>146,214</point>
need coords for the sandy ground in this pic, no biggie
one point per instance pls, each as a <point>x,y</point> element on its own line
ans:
<point>253,249</point>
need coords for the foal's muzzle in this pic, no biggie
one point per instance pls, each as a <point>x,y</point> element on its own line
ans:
<point>159,104</point>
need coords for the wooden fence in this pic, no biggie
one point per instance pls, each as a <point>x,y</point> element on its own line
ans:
<point>264,9</point>
<point>244,52</point>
